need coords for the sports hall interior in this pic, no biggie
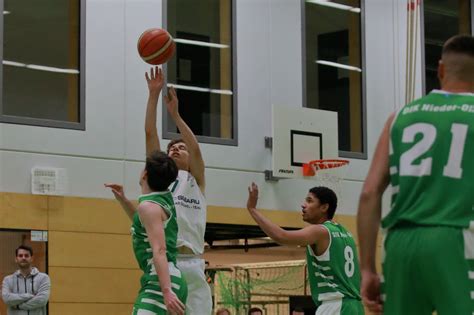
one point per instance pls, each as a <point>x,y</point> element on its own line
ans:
<point>73,99</point>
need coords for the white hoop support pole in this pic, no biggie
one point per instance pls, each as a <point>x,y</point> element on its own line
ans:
<point>408,47</point>
<point>416,13</point>
<point>413,18</point>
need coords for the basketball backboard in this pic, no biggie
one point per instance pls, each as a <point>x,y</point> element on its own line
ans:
<point>299,136</point>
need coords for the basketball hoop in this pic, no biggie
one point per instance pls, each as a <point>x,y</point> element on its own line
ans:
<point>328,173</point>
<point>310,168</point>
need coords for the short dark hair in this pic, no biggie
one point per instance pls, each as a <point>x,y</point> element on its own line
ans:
<point>24,247</point>
<point>459,44</point>
<point>255,309</point>
<point>173,142</point>
<point>161,171</point>
<point>326,196</point>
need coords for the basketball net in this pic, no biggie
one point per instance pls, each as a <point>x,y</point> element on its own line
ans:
<point>327,173</point>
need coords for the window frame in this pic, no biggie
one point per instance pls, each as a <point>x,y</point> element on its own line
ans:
<point>207,139</point>
<point>422,36</point>
<point>40,122</point>
<point>346,154</point>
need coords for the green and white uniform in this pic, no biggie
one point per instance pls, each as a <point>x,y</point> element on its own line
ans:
<point>429,261</point>
<point>334,276</point>
<point>150,298</point>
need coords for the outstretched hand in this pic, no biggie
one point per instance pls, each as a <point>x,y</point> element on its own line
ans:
<point>155,79</point>
<point>253,196</point>
<point>171,101</point>
<point>117,190</point>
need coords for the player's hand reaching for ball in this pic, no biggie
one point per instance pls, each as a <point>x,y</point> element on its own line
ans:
<point>155,80</point>
<point>171,101</point>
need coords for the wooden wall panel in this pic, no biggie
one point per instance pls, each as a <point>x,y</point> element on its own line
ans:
<point>94,285</point>
<point>72,249</point>
<point>228,215</point>
<point>89,309</point>
<point>87,215</point>
<point>21,211</point>
<point>91,263</point>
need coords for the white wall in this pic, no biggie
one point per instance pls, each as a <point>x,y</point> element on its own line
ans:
<point>269,71</point>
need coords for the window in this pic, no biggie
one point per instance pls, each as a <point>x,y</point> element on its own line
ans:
<point>201,70</point>
<point>442,19</point>
<point>333,67</point>
<point>42,63</point>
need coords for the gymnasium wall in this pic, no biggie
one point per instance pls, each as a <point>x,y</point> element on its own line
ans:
<point>90,261</point>
<point>269,71</point>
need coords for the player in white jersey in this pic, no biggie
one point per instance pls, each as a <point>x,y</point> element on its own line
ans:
<point>188,194</point>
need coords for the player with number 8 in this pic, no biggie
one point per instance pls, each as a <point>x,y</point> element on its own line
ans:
<point>333,267</point>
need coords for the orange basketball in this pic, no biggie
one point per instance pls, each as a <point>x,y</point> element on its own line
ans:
<point>156,46</point>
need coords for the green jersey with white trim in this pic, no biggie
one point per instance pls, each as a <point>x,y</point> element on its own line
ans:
<point>141,245</point>
<point>432,162</point>
<point>335,274</point>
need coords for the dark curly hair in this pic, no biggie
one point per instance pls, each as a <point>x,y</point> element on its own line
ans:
<point>326,196</point>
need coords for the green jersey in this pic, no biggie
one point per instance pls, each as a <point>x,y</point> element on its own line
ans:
<point>335,274</point>
<point>431,162</point>
<point>141,245</point>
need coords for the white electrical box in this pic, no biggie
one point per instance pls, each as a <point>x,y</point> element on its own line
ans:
<point>48,181</point>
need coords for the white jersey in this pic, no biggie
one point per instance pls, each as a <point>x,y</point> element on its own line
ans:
<point>191,210</point>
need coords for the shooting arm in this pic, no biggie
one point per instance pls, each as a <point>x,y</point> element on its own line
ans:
<point>155,82</point>
<point>151,132</point>
<point>196,162</point>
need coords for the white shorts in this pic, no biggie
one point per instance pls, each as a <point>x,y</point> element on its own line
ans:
<point>341,307</point>
<point>199,300</point>
<point>330,308</point>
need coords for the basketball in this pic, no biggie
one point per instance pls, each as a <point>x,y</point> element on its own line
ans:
<point>156,46</point>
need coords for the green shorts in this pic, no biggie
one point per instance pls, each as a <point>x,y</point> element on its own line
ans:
<point>150,298</point>
<point>428,269</point>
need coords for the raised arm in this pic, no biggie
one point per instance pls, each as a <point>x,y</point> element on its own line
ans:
<point>309,235</point>
<point>196,162</point>
<point>155,81</point>
<point>41,297</point>
<point>368,219</point>
<point>119,194</point>
<point>13,299</point>
<point>152,217</point>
